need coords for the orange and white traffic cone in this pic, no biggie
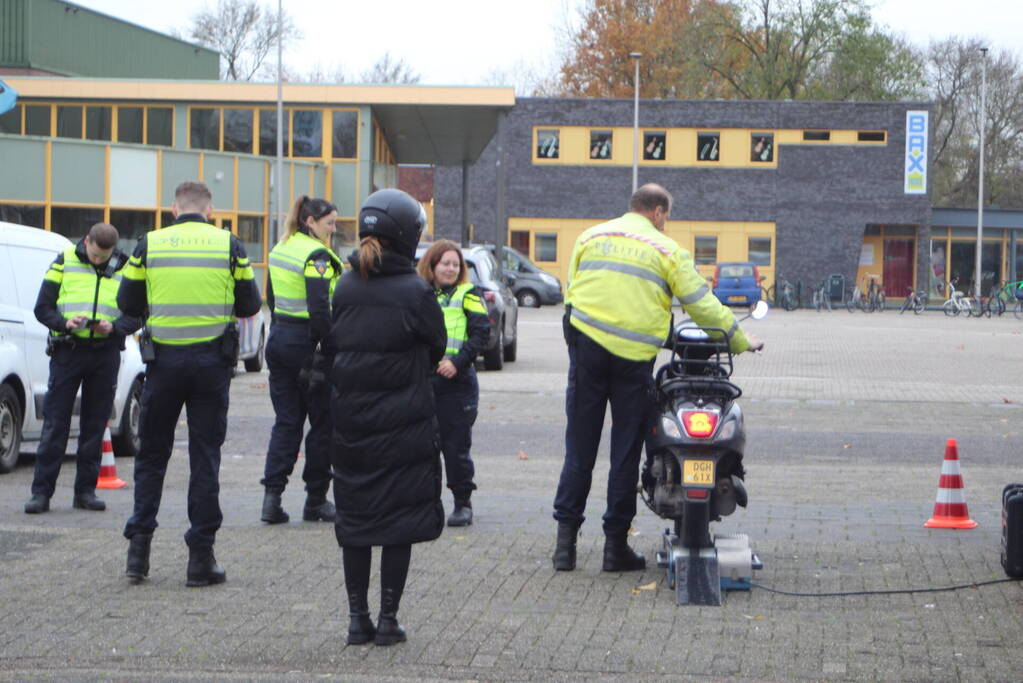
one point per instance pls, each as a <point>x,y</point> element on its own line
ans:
<point>108,478</point>
<point>950,510</point>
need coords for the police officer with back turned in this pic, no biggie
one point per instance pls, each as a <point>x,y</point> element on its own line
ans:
<point>194,279</point>
<point>78,302</point>
<point>622,278</point>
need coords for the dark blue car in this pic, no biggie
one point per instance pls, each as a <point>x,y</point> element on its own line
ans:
<point>737,283</point>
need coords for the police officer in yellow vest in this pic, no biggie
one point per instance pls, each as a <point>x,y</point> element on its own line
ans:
<point>193,279</point>
<point>455,389</point>
<point>303,272</point>
<point>622,278</point>
<point>78,302</point>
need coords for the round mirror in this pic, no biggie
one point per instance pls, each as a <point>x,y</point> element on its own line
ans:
<point>759,311</point>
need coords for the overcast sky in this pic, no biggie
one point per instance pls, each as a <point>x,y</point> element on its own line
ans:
<point>463,42</point>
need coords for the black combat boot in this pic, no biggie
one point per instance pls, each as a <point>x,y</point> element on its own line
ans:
<point>360,626</point>
<point>619,557</point>
<point>88,501</point>
<point>36,504</point>
<point>462,514</point>
<point>389,631</point>
<point>318,509</point>
<point>138,557</point>
<point>564,551</point>
<point>203,569</point>
<point>273,513</point>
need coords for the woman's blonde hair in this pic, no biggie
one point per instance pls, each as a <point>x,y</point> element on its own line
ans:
<point>432,257</point>
<point>371,253</point>
<point>304,208</point>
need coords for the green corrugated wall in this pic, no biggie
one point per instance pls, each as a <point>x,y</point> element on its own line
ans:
<point>12,33</point>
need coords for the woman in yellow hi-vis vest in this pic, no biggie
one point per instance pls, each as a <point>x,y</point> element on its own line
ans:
<point>303,272</point>
<point>454,386</point>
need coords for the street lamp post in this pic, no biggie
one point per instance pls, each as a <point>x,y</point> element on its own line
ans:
<point>980,183</point>
<point>277,218</point>
<point>635,124</point>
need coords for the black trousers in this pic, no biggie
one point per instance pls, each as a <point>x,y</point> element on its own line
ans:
<point>457,403</point>
<point>595,378</point>
<point>94,369</point>
<point>288,350</point>
<point>198,378</point>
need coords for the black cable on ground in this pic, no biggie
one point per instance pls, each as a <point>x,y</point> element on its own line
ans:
<point>976,584</point>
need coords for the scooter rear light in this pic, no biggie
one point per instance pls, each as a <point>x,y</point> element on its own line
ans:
<point>697,493</point>
<point>699,423</point>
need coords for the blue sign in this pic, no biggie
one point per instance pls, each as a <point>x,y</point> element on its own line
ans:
<point>916,152</point>
<point>8,96</point>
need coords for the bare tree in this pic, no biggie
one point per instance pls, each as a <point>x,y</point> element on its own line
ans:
<point>390,70</point>
<point>530,79</point>
<point>244,32</point>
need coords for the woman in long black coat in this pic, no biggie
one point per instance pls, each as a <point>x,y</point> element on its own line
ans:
<point>387,337</point>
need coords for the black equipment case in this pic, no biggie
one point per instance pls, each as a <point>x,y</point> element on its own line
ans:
<point>1012,530</point>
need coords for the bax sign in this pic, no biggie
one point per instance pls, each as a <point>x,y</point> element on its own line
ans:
<point>916,152</point>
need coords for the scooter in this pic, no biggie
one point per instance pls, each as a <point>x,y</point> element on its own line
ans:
<point>693,473</point>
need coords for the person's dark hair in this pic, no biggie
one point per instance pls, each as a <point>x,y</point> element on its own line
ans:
<point>304,208</point>
<point>192,197</point>
<point>648,197</point>
<point>428,262</point>
<point>104,235</point>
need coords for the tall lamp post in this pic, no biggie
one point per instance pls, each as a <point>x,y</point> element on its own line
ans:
<point>279,162</point>
<point>635,124</point>
<point>980,183</point>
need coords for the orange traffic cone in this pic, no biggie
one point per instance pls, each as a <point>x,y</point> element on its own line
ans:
<point>108,478</point>
<point>950,508</point>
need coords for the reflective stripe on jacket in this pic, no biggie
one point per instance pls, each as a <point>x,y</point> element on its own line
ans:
<point>622,278</point>
<point>84,291</point>
<point>291,262</point>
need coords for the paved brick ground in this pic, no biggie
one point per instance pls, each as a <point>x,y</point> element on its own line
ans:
<point>847,417</point>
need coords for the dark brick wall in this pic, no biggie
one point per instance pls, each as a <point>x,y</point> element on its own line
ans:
<point>820,197</point>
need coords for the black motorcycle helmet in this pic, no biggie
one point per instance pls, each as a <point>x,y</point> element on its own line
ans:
<point>395,215</point>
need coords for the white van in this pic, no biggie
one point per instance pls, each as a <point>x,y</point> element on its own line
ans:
<point>25,255</point>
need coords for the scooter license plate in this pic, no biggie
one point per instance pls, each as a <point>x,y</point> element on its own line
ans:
<point>698,472</point>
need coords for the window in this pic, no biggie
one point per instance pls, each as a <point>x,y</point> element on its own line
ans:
<point>37,120</point>
<point>250,232</point>
<point>69,122</point>
<point>160,126</point>
<point>545,246</point>
<point>73,222</point>
<point>33,216</point>
<point>871,136</point>
<point>307,133</point>
<point>762,147</point>
<point>519,241</point>
<point>268,132</point>
<point>97,123</point>
<point>654,146</point>
<point>816,135</point>
<point>129,124</point>
<point>238,130</point>
<point>708,146</point>
<point>204,128</point>
<point>548,144</point>
<point>346,124</point>
<point>11,121</point>
<point>759,250</point>
<point>166,218</point>
<point>131,225</point>
<point>706,251</point>
<point>600,144</point>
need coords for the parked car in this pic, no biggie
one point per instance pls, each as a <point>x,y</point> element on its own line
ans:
<point>25,255</point>
<point>531,285</point>
<point>252,343</point>
<point>502,307</point>
<point>737,283</point>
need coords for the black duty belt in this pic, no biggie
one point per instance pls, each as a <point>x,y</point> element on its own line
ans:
<point>290,320</point>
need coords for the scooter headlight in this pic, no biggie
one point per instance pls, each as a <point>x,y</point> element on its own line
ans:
<point>669,427</point>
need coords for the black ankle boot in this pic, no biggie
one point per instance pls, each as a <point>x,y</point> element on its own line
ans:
<point>564,551</point>
<point>619,557</point>
<point>318,509</point>
<point>88,501</point>
<point>138,557</point>
<point>273,513</point>
<point>462,514</point>
<point>389,631</point>
<point>37,503</point>
<point>360,626</point>
<point>203,569</point>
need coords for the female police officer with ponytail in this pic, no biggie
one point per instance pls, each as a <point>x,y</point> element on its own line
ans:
<point>303,272</point>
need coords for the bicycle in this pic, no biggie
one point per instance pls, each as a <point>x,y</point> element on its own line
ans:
<point>820,297</point>
<point>957,302</point>
<point>875,295</point>
<point>915,301</point>
<point>783,294</point>
<point>857,299</point>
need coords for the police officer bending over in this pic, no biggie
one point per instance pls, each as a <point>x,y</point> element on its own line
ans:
<point>78,302</point>
<point>194,279</point>
<point>622,278</point>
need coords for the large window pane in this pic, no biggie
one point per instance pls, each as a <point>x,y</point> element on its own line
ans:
<point>73,222</point>
<point>345,126</point>
<point>129,124</point>
<point>654,145</point>
<point>33,216</point>
<point>307,133</point>
<point>706,250</point>
<point>708,146</point>
<point>250,232</point>
<point>11,121</point>
<point>131,226</point>
<point>160,126</point>
<point>97,123</point>
<point>548,143</point>
<point>37,120</point>
<point>760,251</point>
<point>939,271</point>
<point>600,144</point>
<point>545,246</point>
<point>268,132</point>
<point>69,122</point>
<point>238,130</point>
<point>761,147</point>
<point>204,128</point>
